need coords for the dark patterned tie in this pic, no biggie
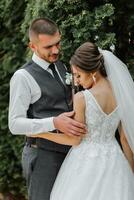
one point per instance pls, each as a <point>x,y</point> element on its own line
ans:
<point>55,74</point>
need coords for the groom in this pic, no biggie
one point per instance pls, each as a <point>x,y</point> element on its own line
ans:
<point>40,101</point>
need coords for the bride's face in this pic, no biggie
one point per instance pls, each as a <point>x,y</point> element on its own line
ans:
<point>82,78</point>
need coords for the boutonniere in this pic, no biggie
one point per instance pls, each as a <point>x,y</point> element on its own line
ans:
<point>68,78</point>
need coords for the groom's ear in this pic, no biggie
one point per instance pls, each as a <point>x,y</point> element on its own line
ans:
<point>32,46</point>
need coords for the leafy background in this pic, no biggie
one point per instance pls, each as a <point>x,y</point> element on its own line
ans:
<point>109,23</point>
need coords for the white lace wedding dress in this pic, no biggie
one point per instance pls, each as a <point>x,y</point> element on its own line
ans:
<point>96,169</point>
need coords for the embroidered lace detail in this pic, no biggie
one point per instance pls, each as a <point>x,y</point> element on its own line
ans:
<point>101,126</point>
<point>100,139</point>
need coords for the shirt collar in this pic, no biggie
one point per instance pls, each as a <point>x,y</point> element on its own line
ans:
<point>39,61</point>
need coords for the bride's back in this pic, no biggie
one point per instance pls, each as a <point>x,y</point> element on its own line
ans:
<point>104,96</point>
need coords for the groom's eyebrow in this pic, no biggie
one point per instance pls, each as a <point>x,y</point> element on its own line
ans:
<point>57,43</point>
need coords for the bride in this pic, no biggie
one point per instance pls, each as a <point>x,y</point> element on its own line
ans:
<point>96,168</point>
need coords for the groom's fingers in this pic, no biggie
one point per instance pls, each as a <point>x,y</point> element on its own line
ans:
<point>80,129</point>
<point>66,124</point>
<point>76,128</point>
<point>69,114</point>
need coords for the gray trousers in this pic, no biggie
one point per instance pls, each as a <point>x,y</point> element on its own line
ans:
<point>40,168</point>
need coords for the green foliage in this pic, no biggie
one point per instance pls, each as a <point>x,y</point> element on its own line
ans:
<point>11,56</point>
<point>87,25</point>
<point>104,22</point>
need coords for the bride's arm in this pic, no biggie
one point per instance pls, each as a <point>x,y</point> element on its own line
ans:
<point>61,138</point>
<point>126,148</point>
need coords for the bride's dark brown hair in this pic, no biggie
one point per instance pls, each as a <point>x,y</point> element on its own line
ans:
<point>88,58</point>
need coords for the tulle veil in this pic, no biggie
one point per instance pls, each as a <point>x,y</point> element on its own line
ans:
<point>123,87</point>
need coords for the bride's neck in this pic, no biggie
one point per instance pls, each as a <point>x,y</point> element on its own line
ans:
<point>100,80</point>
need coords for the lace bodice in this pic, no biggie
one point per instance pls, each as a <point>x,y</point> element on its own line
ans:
<point>100,138</point>
<point>101,126</point>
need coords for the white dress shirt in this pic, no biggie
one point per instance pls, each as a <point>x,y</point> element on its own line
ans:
<point>24,91</point>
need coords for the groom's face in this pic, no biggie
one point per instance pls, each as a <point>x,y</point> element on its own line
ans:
<point>47,47</point>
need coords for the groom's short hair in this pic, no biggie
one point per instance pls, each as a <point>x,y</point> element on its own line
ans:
<point>42,26</point>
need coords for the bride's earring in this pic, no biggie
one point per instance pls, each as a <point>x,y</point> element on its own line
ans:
<point>93,77</point>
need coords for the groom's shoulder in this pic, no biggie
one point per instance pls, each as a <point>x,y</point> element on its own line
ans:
<point>28,63</point>
<point>21,72</point>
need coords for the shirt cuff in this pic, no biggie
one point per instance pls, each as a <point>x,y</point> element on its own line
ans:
<point>42,125</point>
<point>48,124</point>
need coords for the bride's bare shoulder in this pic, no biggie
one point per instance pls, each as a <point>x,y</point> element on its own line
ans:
<point>79,95</point>
<point>79,98</point>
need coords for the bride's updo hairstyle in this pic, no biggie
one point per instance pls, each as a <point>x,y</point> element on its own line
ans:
<point>88,58</point>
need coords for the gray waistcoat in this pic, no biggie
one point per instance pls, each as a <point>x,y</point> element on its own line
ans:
<point>55,99</point>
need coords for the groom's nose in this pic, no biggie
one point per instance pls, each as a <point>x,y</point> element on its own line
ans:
<point>55,49</point>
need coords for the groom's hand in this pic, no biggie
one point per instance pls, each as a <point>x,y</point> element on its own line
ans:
<point>69,126</point>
